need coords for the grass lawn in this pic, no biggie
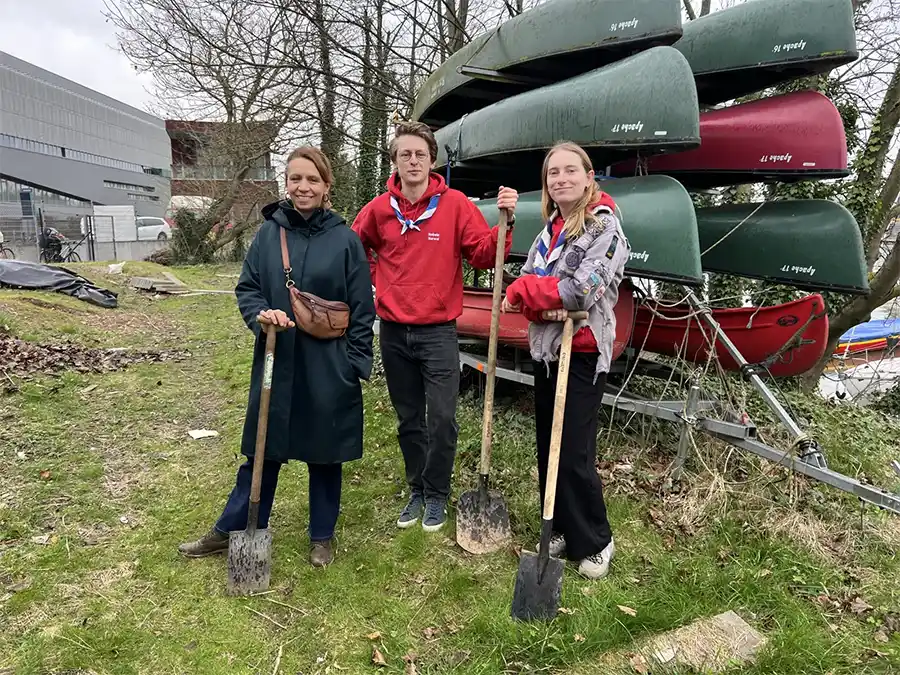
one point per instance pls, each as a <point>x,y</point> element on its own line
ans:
<point>101,481</point>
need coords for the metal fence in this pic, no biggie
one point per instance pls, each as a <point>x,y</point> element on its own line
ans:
<point>88,235</point>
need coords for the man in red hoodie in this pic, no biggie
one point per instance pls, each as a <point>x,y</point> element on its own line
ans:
<point>420,230</point>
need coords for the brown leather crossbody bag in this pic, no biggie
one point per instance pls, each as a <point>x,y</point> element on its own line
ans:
<point>324,319</point>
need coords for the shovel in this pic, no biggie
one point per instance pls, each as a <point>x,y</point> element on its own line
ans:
<point>482,519</point>
<point>539,579</point>
<point>250,550</point>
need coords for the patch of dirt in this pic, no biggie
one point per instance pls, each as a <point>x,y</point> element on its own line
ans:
<point>37,302</point>
<point>115,322</point>
<point>25,359</point>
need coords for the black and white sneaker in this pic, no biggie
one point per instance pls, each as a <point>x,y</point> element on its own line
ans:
<point>597,565</point>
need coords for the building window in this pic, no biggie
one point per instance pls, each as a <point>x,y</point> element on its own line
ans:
<point>115,185</point>
<point>56,151</point>
<point>142,198</point>
<point>10,189</point>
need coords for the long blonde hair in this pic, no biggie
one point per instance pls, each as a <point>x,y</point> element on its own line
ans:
<point>577,221</point>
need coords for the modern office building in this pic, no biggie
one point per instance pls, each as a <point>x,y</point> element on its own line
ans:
<point>67,145</point>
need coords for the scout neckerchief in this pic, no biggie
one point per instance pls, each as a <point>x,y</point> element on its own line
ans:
<point>406,223</point>
<point>543,264</point>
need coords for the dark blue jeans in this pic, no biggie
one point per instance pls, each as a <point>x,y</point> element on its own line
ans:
<point>421,367</point>
<point>324,498</point>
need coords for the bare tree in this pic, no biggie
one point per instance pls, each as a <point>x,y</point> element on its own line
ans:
<point>219,62</point>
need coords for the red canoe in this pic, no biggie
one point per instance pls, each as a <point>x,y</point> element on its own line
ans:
<point>757,332</point>
<point>797,136</point>
<point>475,320</point>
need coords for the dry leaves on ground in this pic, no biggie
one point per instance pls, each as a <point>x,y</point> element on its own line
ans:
<point>639,664</point>
<point>23,359</point>
<point>378,658</point>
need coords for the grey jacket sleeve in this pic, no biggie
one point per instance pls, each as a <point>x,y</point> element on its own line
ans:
<point>528,267</point>
<point>606,255</point>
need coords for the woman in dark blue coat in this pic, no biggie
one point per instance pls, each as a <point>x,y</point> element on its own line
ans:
<point>316,408</point>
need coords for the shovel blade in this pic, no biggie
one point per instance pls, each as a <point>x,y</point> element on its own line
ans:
<point>249,561</point>
<point>536,597</point>
<point>482,522</point>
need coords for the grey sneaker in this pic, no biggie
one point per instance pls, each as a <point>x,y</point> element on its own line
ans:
<point>435,515</point>
<point>412,512</point>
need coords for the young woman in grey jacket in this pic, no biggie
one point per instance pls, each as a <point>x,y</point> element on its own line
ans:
<point>576,263</point>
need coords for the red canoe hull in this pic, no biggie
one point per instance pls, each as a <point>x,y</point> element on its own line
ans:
<point>770,328</point>
<point>475,320</point>
<point>796,135</point>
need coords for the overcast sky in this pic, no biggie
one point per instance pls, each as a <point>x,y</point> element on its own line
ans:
<point>72,38</point>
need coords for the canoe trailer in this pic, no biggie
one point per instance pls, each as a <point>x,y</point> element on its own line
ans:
<point>805,456</point>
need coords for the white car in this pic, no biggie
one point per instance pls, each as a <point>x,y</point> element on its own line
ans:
<point>152,228</point>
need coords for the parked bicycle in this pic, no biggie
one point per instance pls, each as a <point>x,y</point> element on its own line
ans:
<point>52,243</point>
<point>6,253</point>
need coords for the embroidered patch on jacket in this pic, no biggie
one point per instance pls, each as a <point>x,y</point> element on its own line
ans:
<point>572,259</point>
<point>611,251</point>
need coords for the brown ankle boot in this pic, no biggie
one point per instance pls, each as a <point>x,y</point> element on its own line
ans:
<point>322,553</point>
<point>209,544</point>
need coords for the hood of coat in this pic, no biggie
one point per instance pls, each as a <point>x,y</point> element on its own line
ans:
<point>285,215</point>
<point>436,186</point>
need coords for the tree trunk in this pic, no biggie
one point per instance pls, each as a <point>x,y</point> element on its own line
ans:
<point>367,169</point>
<point>456,18</point>
<point>331,136</point>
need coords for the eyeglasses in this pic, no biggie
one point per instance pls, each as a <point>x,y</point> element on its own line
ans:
<point>406,155</point>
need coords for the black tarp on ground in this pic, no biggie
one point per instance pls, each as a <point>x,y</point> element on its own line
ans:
<point>40,277</point>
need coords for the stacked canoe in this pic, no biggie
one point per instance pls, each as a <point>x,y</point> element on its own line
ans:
<point>643,95</point>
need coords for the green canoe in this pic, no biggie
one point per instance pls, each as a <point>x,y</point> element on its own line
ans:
<point>646,102</point>
<point>761,43</point>
<point>812,244</point>
<point>658,218</point>
<point>546,44</point>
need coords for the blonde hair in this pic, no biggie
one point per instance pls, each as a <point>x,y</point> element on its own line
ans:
<point>577,221</point>
<point>323,166</point>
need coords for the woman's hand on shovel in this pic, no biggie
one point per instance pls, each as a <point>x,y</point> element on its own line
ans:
<point>507,306</point>
<point>275,317</point>
<point>555,314</point>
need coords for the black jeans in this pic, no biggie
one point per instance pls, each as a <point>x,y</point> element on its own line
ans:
<point>324,498</point>
<point>421,366</point>
<point>579,512</point>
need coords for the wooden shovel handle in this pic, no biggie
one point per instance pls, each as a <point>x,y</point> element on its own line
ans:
<point>263,422</point>
<point>487,423</point>
<point>575,315</point>
<point>559,408</point>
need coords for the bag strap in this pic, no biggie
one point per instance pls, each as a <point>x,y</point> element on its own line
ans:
<point>285,259</point>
